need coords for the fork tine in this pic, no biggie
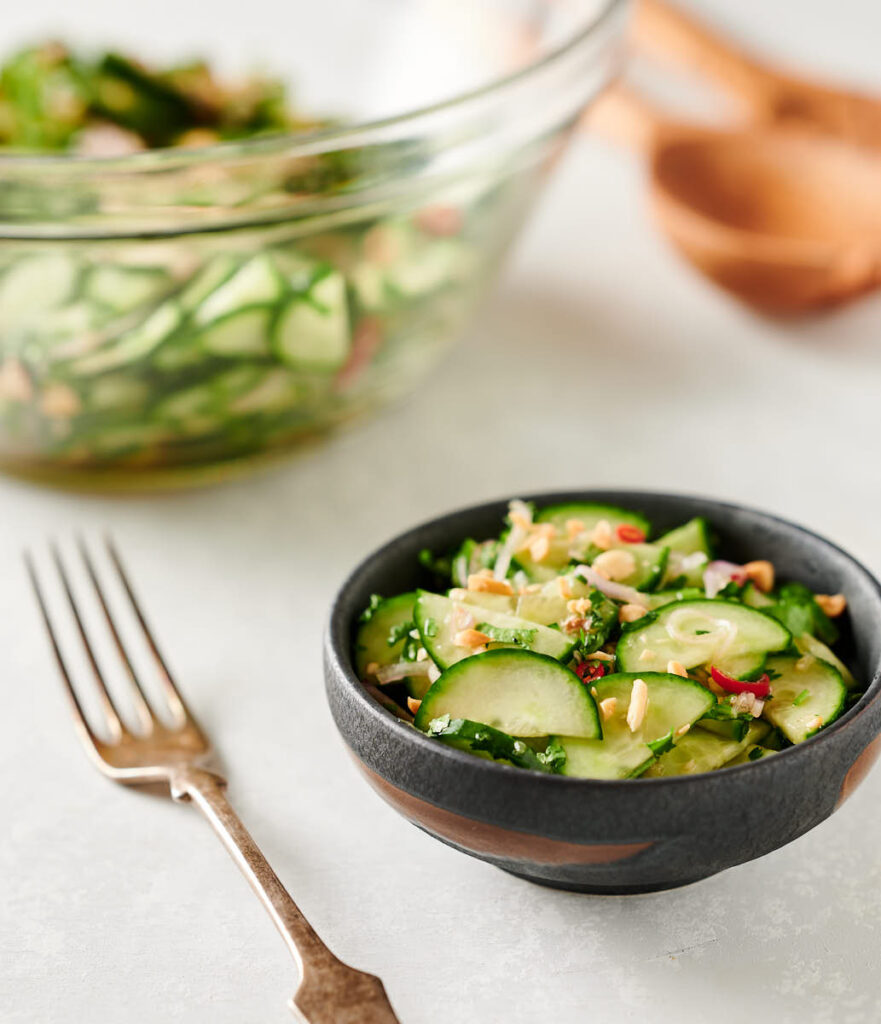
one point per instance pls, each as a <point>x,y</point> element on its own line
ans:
<point>176,702</point>
<point>140,700</point>
<point>113,720</point>
<point>89,739</point>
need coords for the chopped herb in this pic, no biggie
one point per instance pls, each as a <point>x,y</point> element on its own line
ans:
<point>371,609</point>
<point>600,625</point>
<point>437,564</point>
<point>756,753</point>
<point>502,635</point>
<point>801,698</point>
<point>639,623</point>
<point>730,590</point>
<point>800,613</point>
<point>399,631</point>
<point>701,632</point>
<point>662,745</point>
<point>410,650</point>
<point>554,756</point>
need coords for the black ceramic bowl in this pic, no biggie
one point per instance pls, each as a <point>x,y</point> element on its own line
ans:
<point>621,836</point>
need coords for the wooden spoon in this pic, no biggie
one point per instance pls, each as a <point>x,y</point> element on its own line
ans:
<point>788,220</point>
<point>770,95</point>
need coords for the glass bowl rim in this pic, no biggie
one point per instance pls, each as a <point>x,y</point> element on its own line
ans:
<point>320,140</point>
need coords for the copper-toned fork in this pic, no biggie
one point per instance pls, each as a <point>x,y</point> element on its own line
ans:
<point>173,751</point>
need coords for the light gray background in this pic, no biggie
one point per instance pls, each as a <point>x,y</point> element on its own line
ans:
<point>600,360</point>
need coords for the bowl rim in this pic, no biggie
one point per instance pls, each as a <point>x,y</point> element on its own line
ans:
<point>338,631</point>
<point>294,144</point>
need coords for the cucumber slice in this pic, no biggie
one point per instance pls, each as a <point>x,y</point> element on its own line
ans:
<point>255,283</point>
<point>650,564</point>
<point>673,702</point>
<point>661,597</point>
<point>723,720</point>
<point>805,691</point>
<point>701,751</point>
<point>217,270</point>
<point>704,632</point>
<point>133,345</point>
<point>243,333</point>
<point>587,513</point>
<point>550,604</point>
<point>685,543</point>
<point>754,752</point>
<point>520,692</point>
<point>489,602</point>
<point>371,641</point>
<point>755,598</point>
<point>484,741</point>
<point>808,644</point>
<point>439,619</point>
<point>313,331</point>
<point>34,284</point>
<point>123,288</point>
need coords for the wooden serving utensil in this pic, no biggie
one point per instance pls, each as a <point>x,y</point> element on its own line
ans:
<point>786,219</point>
<point>769,95</point>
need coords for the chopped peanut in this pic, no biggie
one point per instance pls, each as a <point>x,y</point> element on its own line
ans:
<point>601,535</point>
<point>602,656</point>
<point>457,594</point>
<point>615,564</point>
<point>608,707</point>
<point>682,730</point>
<point>593,692</point>
<point>531,588</point>
<point>471,638</point>
<point>580,606</point>
<point>832,604</point>
<point>422,654</point>
<point>564,587</point>
<point>676,668</point>
<point>815,723</point>
<point>639,701</point>
<point>413,704</point>
<point>761,573</point>
<point>647,655</point>
<point>573,528</point>
<point>540,547</point>
<point>372,668</point>
<point>488,585</point>
<point>573,623</point>
<point>630,612</point>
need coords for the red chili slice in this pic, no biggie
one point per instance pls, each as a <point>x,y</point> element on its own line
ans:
<point>630,534</point>
<point>588,671</point>
<point>759,688</point>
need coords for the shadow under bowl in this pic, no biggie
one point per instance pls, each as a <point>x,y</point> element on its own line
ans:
<point>598,836</point>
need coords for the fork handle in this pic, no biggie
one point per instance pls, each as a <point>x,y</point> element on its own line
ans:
<point>330,992</point>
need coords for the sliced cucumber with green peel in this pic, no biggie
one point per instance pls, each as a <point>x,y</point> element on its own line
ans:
<point>808,644</point>
<point>806,695</point>
<point>133,345</point>
<point>484,741</point>
<point>312,330</point>
<point>701,751</point>
<point>519,692</point>
<point>371,640</point>
<point>622,753</point>
<point>723,720</point>
<point>589,514</point>
<point>727,634</point>
<point>754,752</point>
<point>121,288</point>
<point>661,597</point>
<point>439,620</point>
<point>489,602</point>
<point>755,598</point>
<point>686,544</point>
<point>551,603</point>
<point>217,270</point>
<point>35,284</point>
<point>255,283</point>
<point>243,333</point>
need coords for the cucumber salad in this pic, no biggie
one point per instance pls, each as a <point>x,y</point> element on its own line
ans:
<point>578,642</point>
<point>173,343</point>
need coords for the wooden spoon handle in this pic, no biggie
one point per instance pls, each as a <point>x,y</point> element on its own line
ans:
<point>667,33</point>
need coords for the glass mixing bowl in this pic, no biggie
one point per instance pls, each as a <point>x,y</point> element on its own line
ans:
<point>174,314</point>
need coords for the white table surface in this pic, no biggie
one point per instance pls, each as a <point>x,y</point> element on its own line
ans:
<point>118,907</point>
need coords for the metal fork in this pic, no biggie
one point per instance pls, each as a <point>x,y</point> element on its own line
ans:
<point>176,753</point>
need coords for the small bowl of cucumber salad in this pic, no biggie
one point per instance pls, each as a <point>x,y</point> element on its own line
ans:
<point>203,266</point>
<point>610,692</point>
